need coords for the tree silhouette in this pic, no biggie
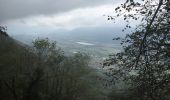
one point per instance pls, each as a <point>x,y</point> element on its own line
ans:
<point>145,62</point>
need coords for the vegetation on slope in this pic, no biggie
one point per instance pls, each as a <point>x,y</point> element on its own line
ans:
<point>44,73</point>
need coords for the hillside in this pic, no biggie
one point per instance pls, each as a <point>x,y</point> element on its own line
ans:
<point>24,74</point>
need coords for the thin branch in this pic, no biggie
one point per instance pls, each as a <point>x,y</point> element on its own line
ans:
<point>146,33</point>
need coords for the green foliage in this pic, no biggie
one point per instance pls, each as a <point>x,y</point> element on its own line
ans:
<point>44,73</point>
<point>144,63</point>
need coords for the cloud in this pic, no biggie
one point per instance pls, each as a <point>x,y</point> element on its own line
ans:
<point>81,17</point>
<point>16,9</point>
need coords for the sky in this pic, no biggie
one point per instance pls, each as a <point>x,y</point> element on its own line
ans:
<point>30,16</point>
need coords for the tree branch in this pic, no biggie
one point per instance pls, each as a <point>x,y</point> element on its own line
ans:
<point>146,33</point>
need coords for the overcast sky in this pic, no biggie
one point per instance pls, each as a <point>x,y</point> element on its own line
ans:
<point>68,14</point>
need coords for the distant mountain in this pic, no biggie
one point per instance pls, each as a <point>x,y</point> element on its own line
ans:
<point>101,35</point>
<point>69,40</point>
<point>89,34</point>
